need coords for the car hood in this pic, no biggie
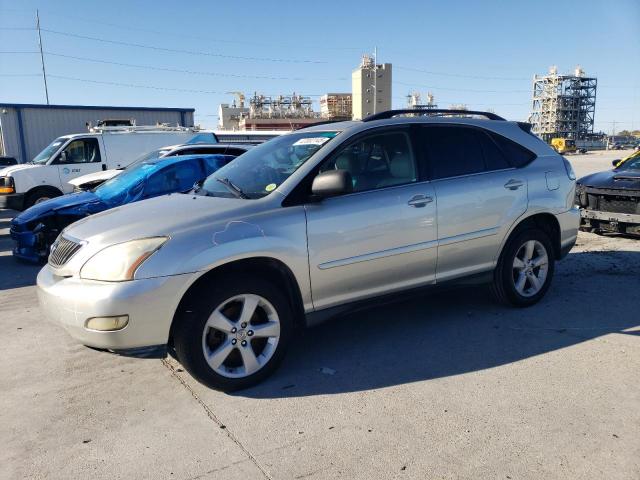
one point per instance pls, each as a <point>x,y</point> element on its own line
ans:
<point>613,179</point>
<point>170,215</point>
<point>84,203</point>
<point>93,177</point>
<point>8,171</point>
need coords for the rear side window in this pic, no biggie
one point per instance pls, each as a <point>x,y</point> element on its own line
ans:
<point>518,156</point>
<point>452,151</point>
<point>494,158</point>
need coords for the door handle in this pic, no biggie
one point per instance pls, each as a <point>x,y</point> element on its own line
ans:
<point>419,201</point>
<point>513,184</point>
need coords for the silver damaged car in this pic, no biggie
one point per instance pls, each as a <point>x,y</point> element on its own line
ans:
<point>311,224</point>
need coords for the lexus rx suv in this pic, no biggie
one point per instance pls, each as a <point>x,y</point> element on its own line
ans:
<point>309,224</point>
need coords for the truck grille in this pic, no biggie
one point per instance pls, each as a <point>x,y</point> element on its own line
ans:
<point>62,251</point>
<point>618,204</point>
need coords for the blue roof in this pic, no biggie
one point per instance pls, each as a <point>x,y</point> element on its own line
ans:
<point>93,107</point>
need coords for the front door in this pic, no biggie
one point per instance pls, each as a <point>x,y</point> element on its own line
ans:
<point>380,238</point>
<point>79,157</point>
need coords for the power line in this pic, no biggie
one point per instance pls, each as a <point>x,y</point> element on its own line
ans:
<point>150,87</point>
<point>164,33</point>
<point>458,75</point>
<point>176,50</point>
<point>178,70</point>
<point>460,89</point>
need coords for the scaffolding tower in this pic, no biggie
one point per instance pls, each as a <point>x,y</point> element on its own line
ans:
<point>414,100</point>
<point>563,105</point>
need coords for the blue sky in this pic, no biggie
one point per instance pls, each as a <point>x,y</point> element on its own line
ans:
<point>483,54</point>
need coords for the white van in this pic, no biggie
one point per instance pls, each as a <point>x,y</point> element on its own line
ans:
<point>71,156</point>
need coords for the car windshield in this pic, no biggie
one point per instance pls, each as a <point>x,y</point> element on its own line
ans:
<point>161,152</point>
<point>128,183</point>
<point>46,154</point>
<point>631,164</point>
<point>262,169</point>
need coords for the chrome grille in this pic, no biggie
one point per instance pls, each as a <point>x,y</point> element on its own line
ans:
<point>62,251</point>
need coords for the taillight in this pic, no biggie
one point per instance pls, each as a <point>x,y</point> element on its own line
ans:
<point>567,166</point>
<point>7,185</point>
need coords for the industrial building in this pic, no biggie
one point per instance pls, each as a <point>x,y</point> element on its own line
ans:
<point>336,106</point>
<point>414,100</point>
<point>371,88</point>
<point>25,129</point>
<point>563,105</point>
<point>283,112</point>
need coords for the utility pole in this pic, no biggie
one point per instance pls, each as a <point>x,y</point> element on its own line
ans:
<point>44,72</point>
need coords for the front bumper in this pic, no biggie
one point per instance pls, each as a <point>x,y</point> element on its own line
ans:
<point>150,304</point>
<point>28,246</point>
<point>13,201</point>
<point>569,224</point>
<point>610,221</point>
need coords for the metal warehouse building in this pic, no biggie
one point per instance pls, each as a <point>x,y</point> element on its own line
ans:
<point>25,129</point>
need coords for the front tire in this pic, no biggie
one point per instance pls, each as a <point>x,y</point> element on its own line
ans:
<point>237,333</point>
<point>525,269</point>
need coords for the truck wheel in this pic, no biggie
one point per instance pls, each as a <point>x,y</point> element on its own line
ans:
<point>525,269</point>
<point>236,335</point>
<point>40,195</point>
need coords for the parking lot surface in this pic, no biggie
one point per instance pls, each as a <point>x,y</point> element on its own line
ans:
<point>449,385</point>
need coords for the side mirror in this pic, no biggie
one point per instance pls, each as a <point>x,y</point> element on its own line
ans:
<point>332,183</point>
<point>615,163</point>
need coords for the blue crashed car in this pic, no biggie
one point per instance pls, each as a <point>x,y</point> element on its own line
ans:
<point>35,229</point>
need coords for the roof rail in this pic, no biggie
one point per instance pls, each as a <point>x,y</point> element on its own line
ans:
<point>430,111</point>
<point>324,122</point>
<point>139,128</point>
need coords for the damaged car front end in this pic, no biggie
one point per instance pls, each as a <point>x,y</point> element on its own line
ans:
<point>610,200</point>
<point>35,229</point>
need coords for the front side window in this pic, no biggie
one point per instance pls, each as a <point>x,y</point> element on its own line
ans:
<point>262,169</point>
<point>178,177</point>
<point>81,151</point>
<point>377,161</point>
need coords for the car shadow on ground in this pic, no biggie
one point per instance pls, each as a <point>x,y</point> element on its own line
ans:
<point>459,331</point>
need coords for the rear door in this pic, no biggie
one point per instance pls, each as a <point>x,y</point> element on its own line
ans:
<point>381,237</point>
<point>480,195</point>
<point>80,157</point>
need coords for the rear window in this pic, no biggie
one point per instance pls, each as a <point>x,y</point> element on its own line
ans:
<point>453,151</point>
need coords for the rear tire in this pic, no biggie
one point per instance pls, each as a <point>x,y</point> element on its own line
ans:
<point>525,269</point>
<point>236,334</point>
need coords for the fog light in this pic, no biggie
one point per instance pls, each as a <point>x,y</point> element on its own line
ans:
<point>107,324</point>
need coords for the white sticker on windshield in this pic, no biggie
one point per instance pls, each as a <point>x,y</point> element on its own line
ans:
<point>312,141</point>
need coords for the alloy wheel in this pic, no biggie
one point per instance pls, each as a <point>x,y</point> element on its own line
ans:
<point>241,335</point>
<point>530,268</point>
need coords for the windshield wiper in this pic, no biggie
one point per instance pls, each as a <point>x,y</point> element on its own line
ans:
<point>237,191</point>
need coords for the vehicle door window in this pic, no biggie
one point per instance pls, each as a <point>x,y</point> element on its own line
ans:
<point>178,177</point>
<point>213,163</point>
<point>452,151</point>
<point>81,151</point>
<point>518,156</point>
<point>376,161</point>
<point>494,158</point>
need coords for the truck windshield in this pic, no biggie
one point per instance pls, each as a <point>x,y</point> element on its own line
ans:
<point>46,154</point>
<point>262,169</point>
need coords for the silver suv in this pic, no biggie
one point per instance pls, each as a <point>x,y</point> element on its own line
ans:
<point>310,224</point>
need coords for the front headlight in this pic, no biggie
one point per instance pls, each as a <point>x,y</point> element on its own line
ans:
<point>119,262</point>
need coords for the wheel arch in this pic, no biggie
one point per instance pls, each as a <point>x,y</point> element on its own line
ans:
<point>545,221</point>
<point>43,188</point>
<point>276,269</point>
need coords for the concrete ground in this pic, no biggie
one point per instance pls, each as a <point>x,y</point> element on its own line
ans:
<point>448,386</point>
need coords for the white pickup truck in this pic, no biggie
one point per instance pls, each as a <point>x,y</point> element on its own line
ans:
<point>71,156</point>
